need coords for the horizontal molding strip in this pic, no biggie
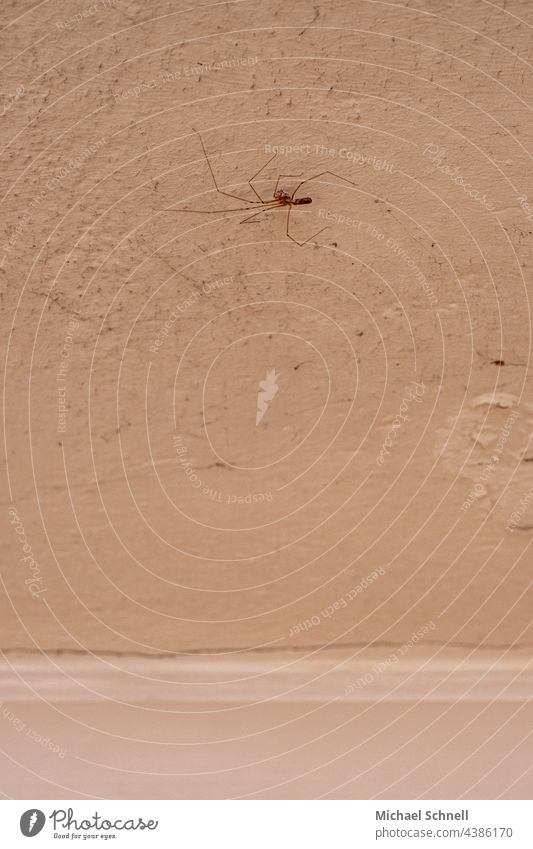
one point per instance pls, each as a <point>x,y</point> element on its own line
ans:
<point>275,677</point>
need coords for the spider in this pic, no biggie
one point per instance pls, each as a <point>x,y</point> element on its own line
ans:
<point>281,199</point>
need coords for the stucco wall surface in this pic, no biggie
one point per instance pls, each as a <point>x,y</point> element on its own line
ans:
<point>218,438</point>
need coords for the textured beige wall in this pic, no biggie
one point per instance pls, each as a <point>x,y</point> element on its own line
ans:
<point>126,551</point>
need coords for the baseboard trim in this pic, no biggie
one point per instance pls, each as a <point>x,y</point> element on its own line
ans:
<point>319,677</point>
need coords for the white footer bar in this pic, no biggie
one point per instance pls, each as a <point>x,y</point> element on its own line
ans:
<point>268,824</point>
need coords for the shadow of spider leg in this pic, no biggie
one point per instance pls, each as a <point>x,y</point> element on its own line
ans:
<point>268,206</point>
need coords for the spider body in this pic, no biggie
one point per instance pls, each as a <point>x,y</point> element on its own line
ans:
<point>280,199</point>
<point>285,199</point>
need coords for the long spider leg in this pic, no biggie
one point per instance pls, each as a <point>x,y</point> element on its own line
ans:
<point>250,181</point>
<point>316,176</point>
<point>221,191</point>
<point>301,244</point>
<point>284,175</point>
<point>265,209</point>
<point>212,211</point>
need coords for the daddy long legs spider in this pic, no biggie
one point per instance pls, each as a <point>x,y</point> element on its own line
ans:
<point>280,200</point>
